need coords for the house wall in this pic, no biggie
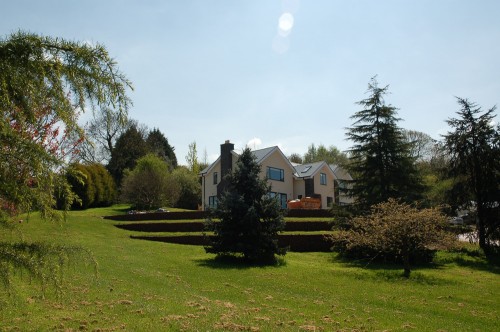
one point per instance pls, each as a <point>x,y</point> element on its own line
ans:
<point>276,160</point>
<point>298,188</point>
<point>208,187</point>
<point>324,190</point>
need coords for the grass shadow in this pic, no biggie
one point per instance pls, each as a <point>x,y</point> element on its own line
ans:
<point>233,262</point>
<point>471,256</point>
<point>372,269</point>
<point>121,209</point>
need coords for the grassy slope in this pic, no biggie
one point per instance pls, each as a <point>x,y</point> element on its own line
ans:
<point>146,285</point>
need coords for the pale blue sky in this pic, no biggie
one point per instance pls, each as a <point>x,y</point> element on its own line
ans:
<point>207,71</point>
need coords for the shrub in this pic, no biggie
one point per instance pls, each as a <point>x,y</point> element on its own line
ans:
<point>395,231</point>
<point>149,185</point>
<point>93,184</point>
<point>190,189</point>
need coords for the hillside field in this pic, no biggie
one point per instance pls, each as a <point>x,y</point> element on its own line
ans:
<point>153,286</point>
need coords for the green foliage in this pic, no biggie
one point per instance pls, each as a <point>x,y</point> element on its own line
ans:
<point>250,219</point>
<point>158,144</point>
<point>380,160</point>
<point>129,147</point>
<point>395,230</point>
<point>149,185</point>
<point>44,84</point>
<point>92,184</point>
<point>40,261</point>
<point>474,151</point>
<point>189,186</point>
<point>192,159</point>
<point>135,143</point>
<point>295,158</point>
<point>330,155</point>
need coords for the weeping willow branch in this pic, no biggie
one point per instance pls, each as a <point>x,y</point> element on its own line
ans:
<point>42,262</point>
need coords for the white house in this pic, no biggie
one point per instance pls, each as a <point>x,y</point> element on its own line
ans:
<point>288,181</point>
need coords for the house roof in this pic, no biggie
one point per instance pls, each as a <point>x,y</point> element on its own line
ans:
<point>300,170</point>
<point>260,156</point>
<point>341,173</point>
<point>308,170</point>
<point>209,167</point>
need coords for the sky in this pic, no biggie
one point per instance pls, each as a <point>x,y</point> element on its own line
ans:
<point>287,73</point>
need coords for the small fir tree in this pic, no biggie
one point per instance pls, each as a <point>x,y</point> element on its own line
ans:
<point>250,219</point>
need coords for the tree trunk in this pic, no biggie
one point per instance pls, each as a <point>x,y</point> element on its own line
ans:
<point>406,265</point>
<point>481,231</point>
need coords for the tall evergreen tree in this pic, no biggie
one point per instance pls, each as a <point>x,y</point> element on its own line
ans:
<point>380,160</point>
<point>474,151</point>
<point>129,147</point>
<point>158,145</point>
<point>250,219</point>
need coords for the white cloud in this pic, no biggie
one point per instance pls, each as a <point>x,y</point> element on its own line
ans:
<point>254,143</point>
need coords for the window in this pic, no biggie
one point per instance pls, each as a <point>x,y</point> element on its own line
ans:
<point>276,174</point>
<point>215,177</point>
<point>282,199</point>
<point>212,202</point>
<point>306,169</point>
<point>322,179</point>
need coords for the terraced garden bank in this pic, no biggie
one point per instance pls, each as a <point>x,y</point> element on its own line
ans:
<point>305,230</point>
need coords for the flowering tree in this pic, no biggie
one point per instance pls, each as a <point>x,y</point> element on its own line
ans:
<point>395,230</point>
<point>45,83</point>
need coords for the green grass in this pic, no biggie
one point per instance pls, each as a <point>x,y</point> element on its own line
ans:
<point>145,286</point>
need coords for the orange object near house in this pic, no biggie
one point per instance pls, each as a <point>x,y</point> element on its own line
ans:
<point>305,203</point>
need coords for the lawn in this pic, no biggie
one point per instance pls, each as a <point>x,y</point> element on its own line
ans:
<point>145,286</point>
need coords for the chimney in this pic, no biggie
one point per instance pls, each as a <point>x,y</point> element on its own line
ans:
<point>226,165</point>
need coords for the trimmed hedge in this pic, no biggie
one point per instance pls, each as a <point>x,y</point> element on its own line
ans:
<point>296,243</point>
<point>184,215</point>
<point>188,215</point>
<point>291,226</point>
<point>308,213</point>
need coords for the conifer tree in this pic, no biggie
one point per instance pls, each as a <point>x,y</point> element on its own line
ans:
<point>250,219</point>
<point>474,150</point>
<point>380,159</point>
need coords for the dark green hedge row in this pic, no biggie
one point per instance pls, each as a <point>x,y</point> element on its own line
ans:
<point>309,213</point>
<point>292,226</point>
<point>189,215</point>
<point>296,243</point>
<point>93,184</point>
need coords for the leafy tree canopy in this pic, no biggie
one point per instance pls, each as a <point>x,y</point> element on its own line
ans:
<point>330,155</point>
<point>147,186</point>
<point>45,83</point>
